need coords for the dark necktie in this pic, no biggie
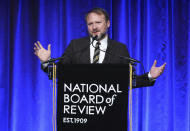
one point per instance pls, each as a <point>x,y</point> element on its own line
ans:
<point>96,53</point>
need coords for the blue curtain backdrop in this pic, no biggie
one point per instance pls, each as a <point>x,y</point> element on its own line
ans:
<point>152,29</point>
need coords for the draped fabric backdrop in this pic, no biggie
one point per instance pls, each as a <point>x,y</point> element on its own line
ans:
<point>151,29</point>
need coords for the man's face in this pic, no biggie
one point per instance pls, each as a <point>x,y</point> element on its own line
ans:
<point>97,25</point>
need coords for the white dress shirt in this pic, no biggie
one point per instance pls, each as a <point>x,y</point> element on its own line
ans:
<point>103,46</point>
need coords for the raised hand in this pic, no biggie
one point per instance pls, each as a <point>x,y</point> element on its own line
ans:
<point>155,72</point>
<point>41,53</point>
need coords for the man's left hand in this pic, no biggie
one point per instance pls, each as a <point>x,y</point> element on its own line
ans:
<point>155,72</point>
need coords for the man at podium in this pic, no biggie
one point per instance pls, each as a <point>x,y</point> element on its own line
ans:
<point>98,48</point>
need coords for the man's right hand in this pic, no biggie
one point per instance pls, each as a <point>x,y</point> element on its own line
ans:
<point>41,53</point>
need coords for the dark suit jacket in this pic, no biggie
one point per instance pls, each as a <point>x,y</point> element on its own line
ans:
<point>78,52</point>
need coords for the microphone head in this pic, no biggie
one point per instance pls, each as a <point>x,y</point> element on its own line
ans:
<point>95,37</point>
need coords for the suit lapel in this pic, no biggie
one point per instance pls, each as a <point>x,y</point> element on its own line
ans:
<point>85,54</point>
<point>109,52</point>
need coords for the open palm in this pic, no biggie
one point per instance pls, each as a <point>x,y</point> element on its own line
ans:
<point>43,54</point>
<point>156,71</point>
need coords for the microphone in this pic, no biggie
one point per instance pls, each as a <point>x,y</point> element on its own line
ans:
<point>93,39</point>
<point>123,57</point>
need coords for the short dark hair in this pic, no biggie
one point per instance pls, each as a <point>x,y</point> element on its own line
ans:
<point>99,11</point>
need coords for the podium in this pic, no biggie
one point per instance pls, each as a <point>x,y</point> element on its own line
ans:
<point>92,97</point>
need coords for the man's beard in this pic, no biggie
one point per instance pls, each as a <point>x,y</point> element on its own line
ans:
<point>101,36</point>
